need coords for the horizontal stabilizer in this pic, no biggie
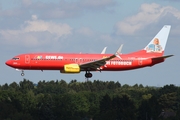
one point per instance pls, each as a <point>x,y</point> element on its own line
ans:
<point>162,57</point>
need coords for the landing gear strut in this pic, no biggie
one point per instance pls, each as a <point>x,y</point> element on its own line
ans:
<point>22,74</point>
<point>88,74</point>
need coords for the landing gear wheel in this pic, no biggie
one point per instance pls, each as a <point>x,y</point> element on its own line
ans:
<point>88,75</point>
<point>22,74</point>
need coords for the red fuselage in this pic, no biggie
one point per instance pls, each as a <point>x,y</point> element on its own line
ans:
<point>56,61</point>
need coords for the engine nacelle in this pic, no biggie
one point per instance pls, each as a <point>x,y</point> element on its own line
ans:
<point>71,68</point>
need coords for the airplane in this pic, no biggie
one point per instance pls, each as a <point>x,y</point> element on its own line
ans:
<point>75,63</point>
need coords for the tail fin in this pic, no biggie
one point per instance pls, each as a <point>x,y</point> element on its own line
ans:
<point>158,43</point>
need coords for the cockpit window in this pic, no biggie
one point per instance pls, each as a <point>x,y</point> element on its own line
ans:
<point>15,58</point>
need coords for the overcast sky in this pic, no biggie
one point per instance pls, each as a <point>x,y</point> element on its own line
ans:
<point>88,26</point>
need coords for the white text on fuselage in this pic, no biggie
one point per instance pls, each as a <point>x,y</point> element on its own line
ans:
<point>54,57</point>
<point>118,62</point>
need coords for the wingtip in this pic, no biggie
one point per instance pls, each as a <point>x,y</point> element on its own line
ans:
<point>120,48</point>
<point>104,50</point>
<point>118,52</point>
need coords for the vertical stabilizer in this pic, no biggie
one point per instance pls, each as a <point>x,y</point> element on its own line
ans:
<point>158,43</point>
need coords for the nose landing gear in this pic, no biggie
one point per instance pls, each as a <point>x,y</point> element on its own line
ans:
<point>22,74</point>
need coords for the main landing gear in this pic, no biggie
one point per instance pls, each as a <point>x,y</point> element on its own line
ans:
<point>88,74</point>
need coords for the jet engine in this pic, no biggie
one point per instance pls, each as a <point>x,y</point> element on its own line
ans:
<point>71,68</point>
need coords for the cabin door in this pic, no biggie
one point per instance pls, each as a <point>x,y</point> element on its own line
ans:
<point>140,62</point>
<point>27,59</point>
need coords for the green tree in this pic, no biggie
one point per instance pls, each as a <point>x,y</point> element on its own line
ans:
<point>74,106</point>
<point>26,85</point>
<point>168,101</point>
<point>105,108</point>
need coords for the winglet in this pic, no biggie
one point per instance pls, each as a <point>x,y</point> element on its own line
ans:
<point>119,51</point>
<point>104,50</point>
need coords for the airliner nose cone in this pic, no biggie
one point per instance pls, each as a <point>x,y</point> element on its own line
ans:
<point>8,62</point>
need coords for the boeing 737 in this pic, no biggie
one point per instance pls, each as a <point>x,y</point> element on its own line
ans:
<point>75,63</point>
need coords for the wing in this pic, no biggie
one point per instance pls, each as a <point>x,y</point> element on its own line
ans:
<point>95,65</point>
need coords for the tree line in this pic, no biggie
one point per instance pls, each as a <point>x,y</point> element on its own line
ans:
<point>91,100</point>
